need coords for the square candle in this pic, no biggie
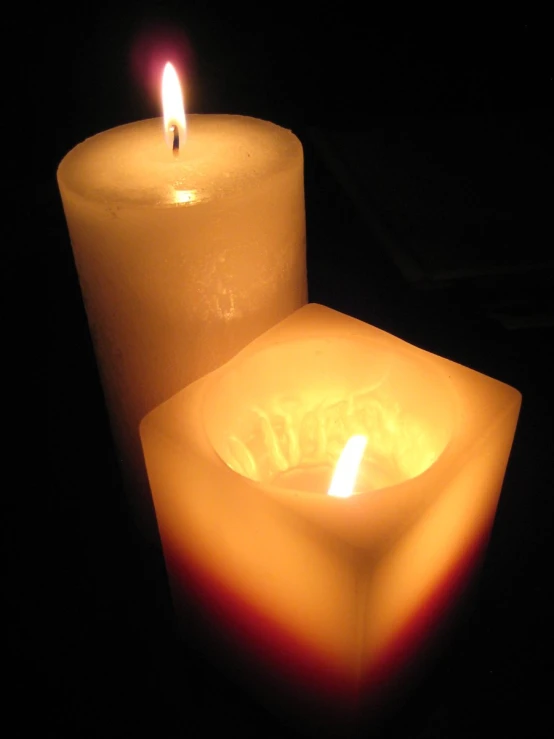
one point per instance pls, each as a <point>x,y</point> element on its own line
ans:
<point>325,599</point>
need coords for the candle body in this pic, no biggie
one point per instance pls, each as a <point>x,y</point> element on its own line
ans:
<point>330,595</point>
<point>181,261</point>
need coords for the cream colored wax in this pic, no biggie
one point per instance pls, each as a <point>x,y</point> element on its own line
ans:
<point>335,592</point>
<point>182,260</point>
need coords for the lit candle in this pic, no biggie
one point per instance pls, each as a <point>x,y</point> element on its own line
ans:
<point>189,241</point>
<point>333,593</point>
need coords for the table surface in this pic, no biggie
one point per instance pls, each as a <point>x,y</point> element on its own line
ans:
<point>94,634</point>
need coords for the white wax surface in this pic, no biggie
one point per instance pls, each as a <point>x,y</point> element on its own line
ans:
<point>220,155</point>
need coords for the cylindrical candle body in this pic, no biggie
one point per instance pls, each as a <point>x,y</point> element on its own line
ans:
<point>182,260</point>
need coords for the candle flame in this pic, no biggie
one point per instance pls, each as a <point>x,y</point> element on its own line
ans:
<point>346,471</point>
<point>175,124</point>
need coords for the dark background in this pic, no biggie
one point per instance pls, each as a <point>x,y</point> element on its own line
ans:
<point>428,195</point>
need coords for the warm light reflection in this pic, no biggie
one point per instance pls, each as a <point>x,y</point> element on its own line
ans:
<point>185,196</point>
<point>175,125</point>
<point>346,471</point>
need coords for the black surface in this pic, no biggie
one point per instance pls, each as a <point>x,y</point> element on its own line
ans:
<point>94,650</point>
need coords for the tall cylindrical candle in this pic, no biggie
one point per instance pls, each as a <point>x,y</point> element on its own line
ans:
<point>182,260</point>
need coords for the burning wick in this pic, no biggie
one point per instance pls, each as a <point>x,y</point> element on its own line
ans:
<point>174,119</point>
<point>174,128</point>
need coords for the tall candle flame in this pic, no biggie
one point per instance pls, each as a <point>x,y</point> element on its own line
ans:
<point>175,124</point>
<point>346,471</point>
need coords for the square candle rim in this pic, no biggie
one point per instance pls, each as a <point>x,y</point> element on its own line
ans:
<point>448,463</point>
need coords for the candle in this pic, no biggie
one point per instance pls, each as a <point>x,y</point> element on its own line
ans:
<point>327,595</point>
<point>182,259</point>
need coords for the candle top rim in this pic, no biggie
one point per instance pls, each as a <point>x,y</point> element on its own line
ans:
<point>130,166</point>
<point>352,384</point>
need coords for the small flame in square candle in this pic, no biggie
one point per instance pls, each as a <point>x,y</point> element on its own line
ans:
<point>175,125</point>
<point>346,471</point>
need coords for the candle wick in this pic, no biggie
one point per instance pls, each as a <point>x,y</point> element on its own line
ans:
<point>175,130</point>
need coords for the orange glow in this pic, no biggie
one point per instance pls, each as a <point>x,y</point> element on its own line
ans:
<point>175,124</point>
<point>346,471</point>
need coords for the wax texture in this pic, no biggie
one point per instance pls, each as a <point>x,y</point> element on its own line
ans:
<point>333,595</point>
<point>182,261</point>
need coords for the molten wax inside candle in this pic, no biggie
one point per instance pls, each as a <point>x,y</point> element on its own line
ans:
<point>286,416</point>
